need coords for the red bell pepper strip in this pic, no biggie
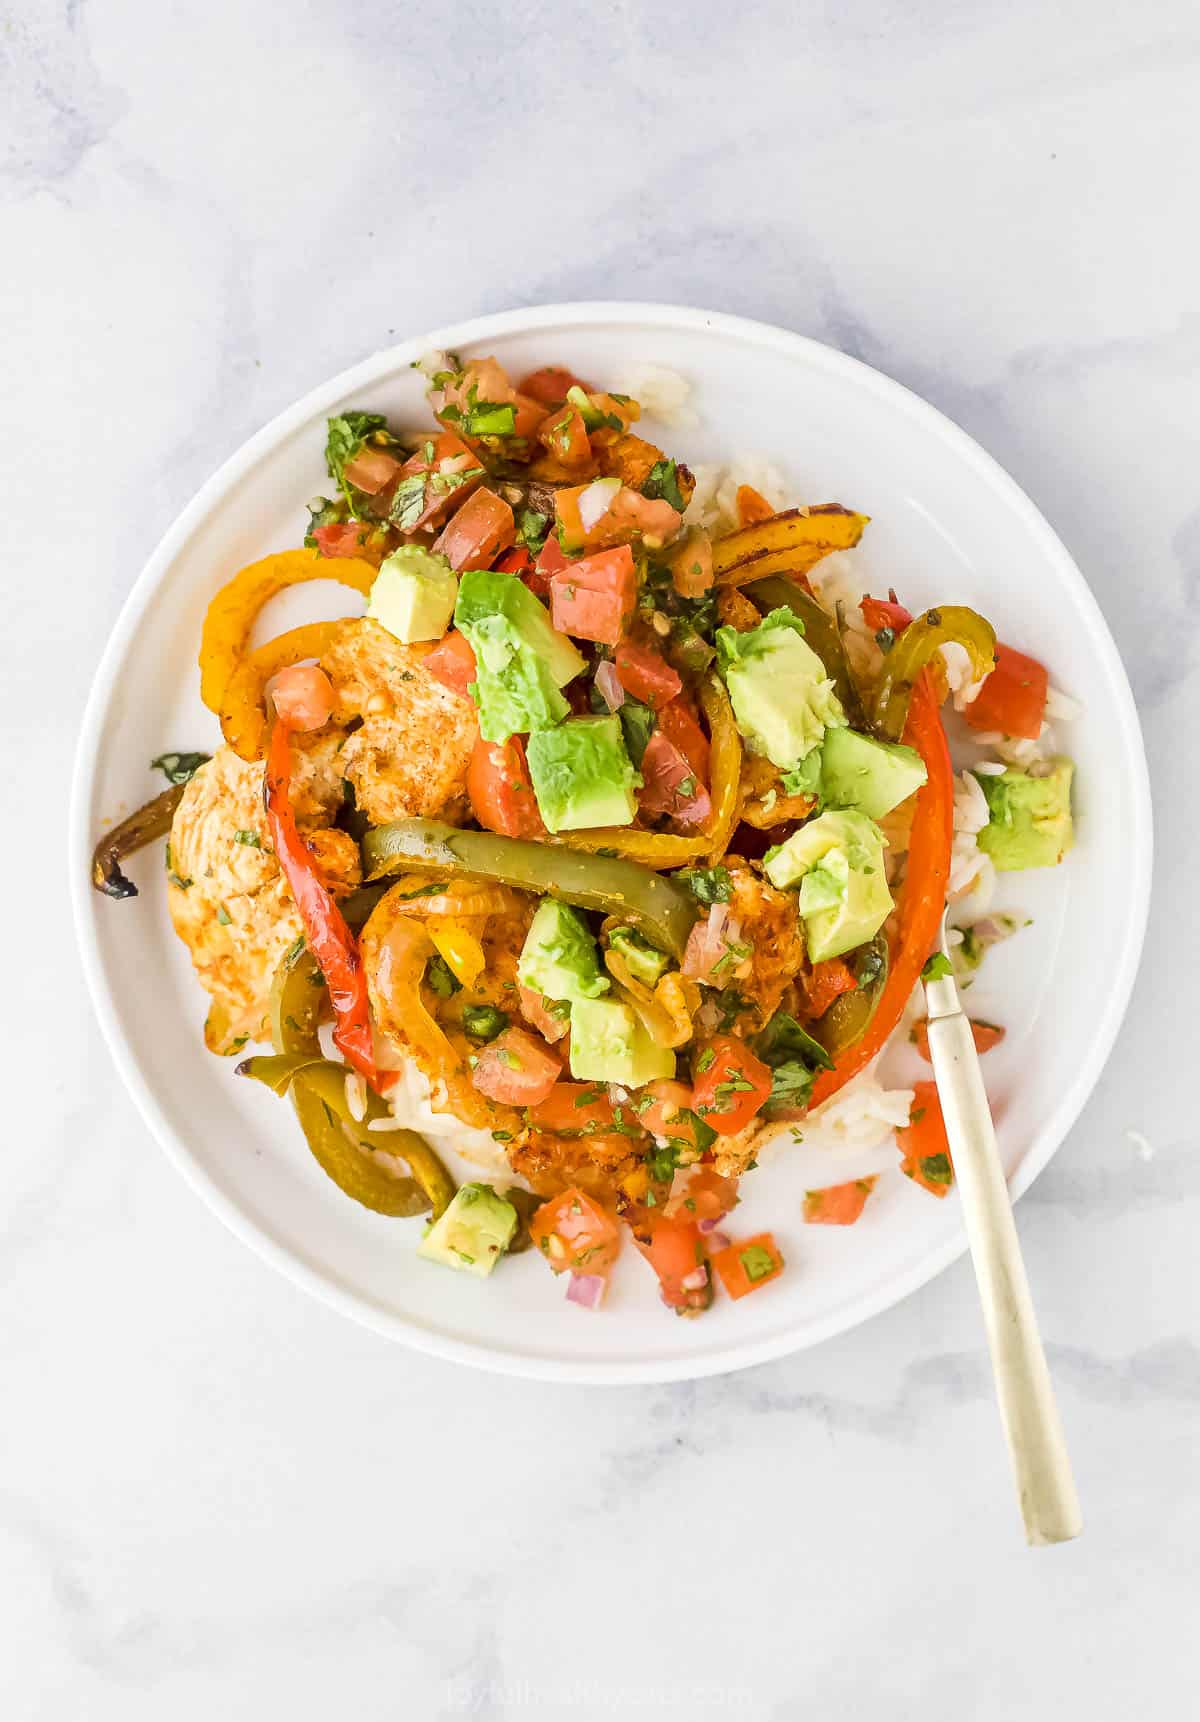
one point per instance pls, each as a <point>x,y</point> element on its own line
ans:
<point>924,894</point>
<point>329,938</point>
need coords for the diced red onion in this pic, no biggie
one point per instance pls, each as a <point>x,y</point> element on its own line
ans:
<point>709,1225</point>
<point>596,501</point>
<point>696,1280</point>
<point>611,691</point>
<point>587,1290</point>
<point>716,1240</point>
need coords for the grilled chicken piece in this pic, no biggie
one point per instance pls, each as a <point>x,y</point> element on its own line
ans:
<point>407,739</point>
<point>229,902</point>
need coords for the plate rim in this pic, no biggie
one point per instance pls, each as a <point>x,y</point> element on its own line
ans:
<point>529,320</point>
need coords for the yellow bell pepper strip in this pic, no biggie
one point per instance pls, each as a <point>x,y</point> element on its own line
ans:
<point>318,1093</point>
<point>243,712</point>
<point>659,908</point>
<point>913,649</point>
<point>666,849</point>
<point>151,821</point>
<point>459,949</point>
<point>332,942</point>
<point>231,614</point>
<point>820,631</point>
<point>790,542</point>
<point>923,895</point>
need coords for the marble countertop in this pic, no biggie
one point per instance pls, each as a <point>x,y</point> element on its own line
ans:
<point>216,1497</point>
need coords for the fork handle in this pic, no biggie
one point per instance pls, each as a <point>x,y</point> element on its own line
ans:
<point>1032,1426</point>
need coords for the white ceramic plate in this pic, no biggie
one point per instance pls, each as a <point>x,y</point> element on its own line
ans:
<point>948,525</point>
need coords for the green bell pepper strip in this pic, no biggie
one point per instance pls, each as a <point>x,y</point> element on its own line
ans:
<point>777,592</point>
<point>658,907</point>
<point>318,1090</point>
<point>944,625</point>
<point>849,1016</point>
<point>142,827</point>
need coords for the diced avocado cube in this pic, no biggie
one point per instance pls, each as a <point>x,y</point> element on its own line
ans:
<point>781,697</point>
<point>582,775</point>
<point>644,962</point>
<point>414,594</point>
<point>609,1043</point>
<point>559,958</point>
<point>521,662</point>
<point>837,861</point>
<point>1029,817</point>
<point>473,1233</point>
<point>867,775</point>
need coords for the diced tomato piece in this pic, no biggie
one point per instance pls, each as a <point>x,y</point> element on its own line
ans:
<point>665,1109</point>
<point>564,435</point>
<point>550,384</point>
<point>612,408</point>
<point>923,1143</point>
<point>516,1069</point>
<point>515,561</point>
<point>303,696</point>
<point>574,1232</point>
<point>702,1194</point>
<point>451,472</point>
<point>730,1084</point>
<point>679,724</point>
<point>1013,698</point>
<point>478,532</point>
<point>752,505</point>
<point>574,1107</point>
<point>667,1100</point>
<point>646,674</point>
<point>838,1204</point>
<point>748,1264</point>
<point>342,538</point>
<point>880,613</point>
<point>626,515</point>
<point>823,983</point>
<point>986,1035</point>
<point>371,469</point>
<point>452,662</point>
<point>539,1013</point>
<point>551,557</point>
<point>595,597</point>
<point>480,381</point>
<point>670,785</point>
<point>500,790</point>
<point>674,1247</point>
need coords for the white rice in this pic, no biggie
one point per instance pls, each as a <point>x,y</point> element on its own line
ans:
<point>661,393</point>
<point>864,1114</point>
<point>963,687</point>
<point>714,501</point>
<point>356,1096</point>
<point>410,1099</point>
<point>972,873</point>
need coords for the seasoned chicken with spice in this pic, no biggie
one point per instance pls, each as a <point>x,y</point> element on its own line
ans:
<point>229,902</point>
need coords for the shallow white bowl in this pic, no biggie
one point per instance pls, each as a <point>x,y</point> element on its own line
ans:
<point>948,525</point>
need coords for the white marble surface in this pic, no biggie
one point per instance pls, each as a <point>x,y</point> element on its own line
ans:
<point>217,1498</point>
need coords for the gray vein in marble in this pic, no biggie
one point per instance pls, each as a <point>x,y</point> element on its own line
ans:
<point>57,108</point>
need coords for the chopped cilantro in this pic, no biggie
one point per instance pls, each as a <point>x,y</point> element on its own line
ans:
<point>408,502</point>
<point>484,1022</point>
<point>250,839</point>
<point>662,482</point>
<point>346,435</point>
<point>532,528</point>
<point>936,1169</point>
<point>224,918</point>
<point>179,767</point>
<point>441,979</point>
<point>638,724</point>
<point>937,968</point>
<point>707,884</point>
<point>757,1262</point>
